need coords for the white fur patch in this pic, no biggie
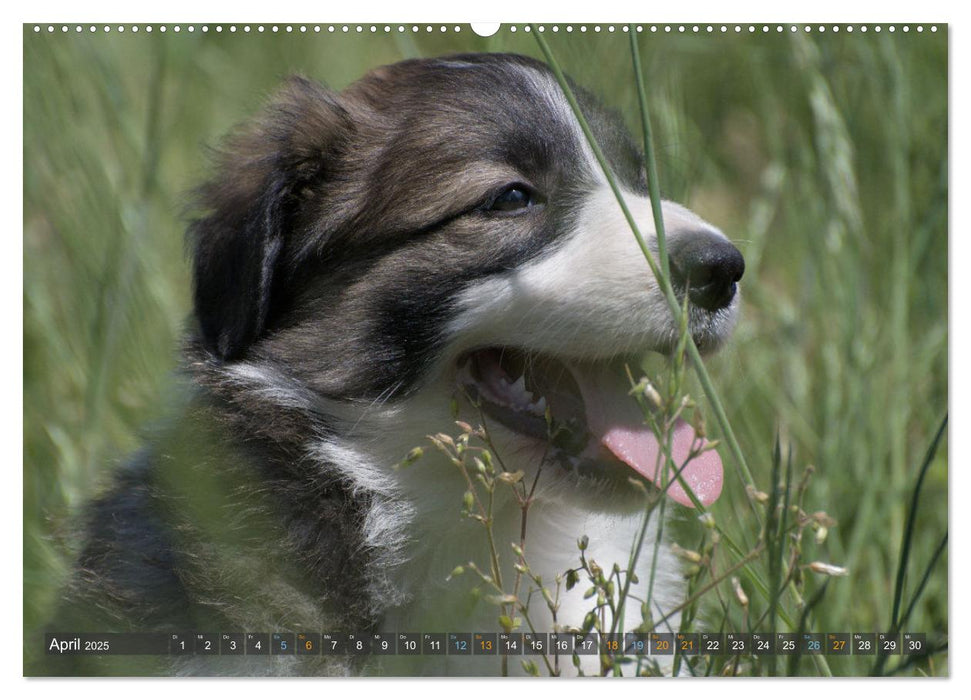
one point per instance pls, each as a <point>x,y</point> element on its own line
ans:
<point>594,297</point>
<point>418,535</point>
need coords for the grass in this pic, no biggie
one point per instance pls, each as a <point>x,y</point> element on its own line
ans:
<point>823,156</point>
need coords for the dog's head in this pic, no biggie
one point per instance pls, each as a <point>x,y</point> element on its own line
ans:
<point>444,222</point>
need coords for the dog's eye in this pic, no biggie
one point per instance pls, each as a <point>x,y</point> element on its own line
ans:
<point>514,197</point>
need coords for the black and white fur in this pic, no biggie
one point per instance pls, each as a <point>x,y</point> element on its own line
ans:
<point>348,253</point>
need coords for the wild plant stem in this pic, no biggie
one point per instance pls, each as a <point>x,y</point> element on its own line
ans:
<point>650,165</point>
<point>775,531</point>
<point>751,556</point>
<point>529,623</point>
<point>908,535</point>
<point>941,547</point>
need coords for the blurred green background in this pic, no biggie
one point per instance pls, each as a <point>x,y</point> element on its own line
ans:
<point>822,155</point>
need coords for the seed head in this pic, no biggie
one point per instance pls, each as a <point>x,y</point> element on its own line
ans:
<point>739,593</point>
<point>820,567</point>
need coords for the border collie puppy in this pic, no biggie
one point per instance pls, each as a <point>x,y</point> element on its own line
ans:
<point>435,242</point>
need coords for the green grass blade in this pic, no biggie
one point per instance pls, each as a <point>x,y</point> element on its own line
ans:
<point>923,582</point>
<point>909,528</point>
<point>653,185</point>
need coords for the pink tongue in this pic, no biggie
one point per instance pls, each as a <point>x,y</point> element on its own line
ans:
<point>615,418</point>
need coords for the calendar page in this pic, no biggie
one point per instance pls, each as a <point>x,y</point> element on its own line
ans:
<point>558,350</point>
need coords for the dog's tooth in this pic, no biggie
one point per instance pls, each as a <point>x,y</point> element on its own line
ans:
<point>520,385</point>
<point>538,407</point>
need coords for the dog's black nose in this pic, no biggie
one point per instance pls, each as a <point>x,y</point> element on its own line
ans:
<point>708,266</point>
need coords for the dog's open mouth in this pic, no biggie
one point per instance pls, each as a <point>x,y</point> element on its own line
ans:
<point>585,411</point>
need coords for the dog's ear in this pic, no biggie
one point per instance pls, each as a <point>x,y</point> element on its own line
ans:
<point>263,175</point>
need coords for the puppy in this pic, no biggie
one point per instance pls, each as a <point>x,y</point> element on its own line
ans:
<point>437,241</point>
